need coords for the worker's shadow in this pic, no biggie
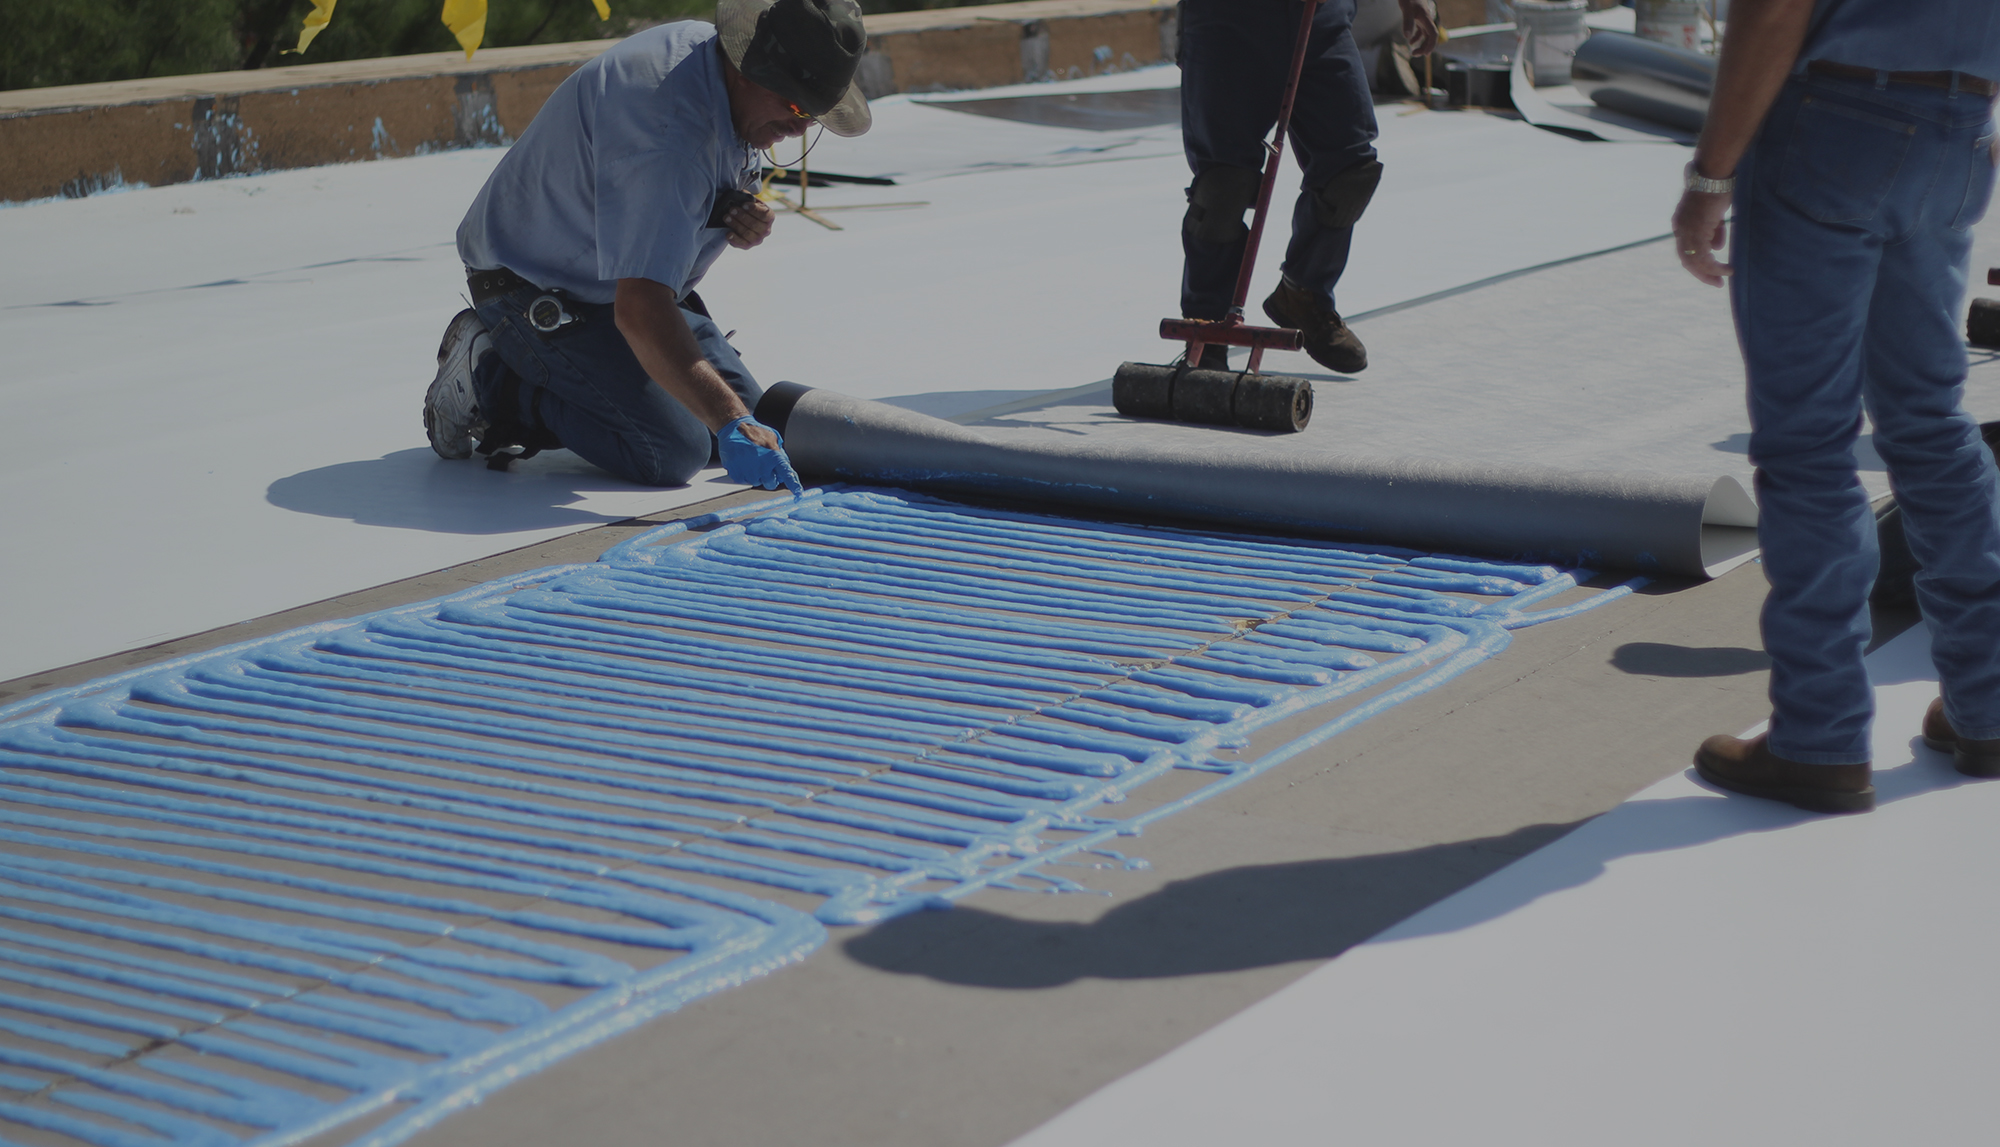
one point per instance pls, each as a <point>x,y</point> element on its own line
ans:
<point>1314,910</point>
<point>417,490</point>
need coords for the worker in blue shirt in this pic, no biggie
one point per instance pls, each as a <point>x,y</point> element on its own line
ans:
<point>583,249</point>
<point>1854,140</point>
<point>1235,57</point>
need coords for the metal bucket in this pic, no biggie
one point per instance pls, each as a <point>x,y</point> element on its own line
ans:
<point>1676,22</point>
<point>1551,32</point>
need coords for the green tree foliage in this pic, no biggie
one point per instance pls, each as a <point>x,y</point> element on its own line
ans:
<point>362,29</point>
<point>47,42</point>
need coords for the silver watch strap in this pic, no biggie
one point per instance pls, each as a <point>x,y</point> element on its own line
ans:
<point>1696,181</point>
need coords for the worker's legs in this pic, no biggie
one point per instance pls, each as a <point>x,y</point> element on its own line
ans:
<point>581,387</point>
<point>1843,262</point>
<point>1333,137</point>
<point>1942,473</point>
<point>1235,59</point>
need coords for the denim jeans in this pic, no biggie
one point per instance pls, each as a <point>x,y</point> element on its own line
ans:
<point>1235,56</point>
<point>581,387</point>
<point>1851,240</point>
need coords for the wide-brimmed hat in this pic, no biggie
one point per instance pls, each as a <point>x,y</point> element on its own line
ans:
<point>805,50</point>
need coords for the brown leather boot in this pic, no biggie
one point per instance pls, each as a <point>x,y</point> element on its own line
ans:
<point>1973,758</point>
<point>1751,768</point>
<point>1328,340</point>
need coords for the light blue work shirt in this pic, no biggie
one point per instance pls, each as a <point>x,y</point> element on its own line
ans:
<point>1908,35</point>
<point>617,174</point>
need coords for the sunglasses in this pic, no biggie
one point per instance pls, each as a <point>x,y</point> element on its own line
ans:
<point>800,112</point>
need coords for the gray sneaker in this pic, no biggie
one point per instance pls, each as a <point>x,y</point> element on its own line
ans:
<point>451,410</point>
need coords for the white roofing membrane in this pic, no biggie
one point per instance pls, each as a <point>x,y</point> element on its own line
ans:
<point>214,388</point>
<point>1691,967</point>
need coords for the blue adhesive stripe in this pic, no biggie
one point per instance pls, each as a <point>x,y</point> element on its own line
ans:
<point>358,856</point>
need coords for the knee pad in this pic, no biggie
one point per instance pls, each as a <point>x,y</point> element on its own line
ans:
<point>1216,203</point>
<point>1340,201</point>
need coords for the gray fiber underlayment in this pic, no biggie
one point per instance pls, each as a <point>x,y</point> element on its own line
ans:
<point>1686,526</point>
<point>1620,362</point>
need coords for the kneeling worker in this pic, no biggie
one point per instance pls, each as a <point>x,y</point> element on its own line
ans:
<point>584,248</point>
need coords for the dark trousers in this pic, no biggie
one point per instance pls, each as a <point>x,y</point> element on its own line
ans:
<point>1235,57</point>
<point>581,387</point>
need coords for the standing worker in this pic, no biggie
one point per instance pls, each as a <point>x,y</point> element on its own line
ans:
<point>1235,56</point>
<point>1855,139</point>
<point>584,248</point>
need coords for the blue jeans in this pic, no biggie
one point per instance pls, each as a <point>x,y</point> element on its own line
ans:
<point>581,387</point>
<point>1851,241</point>
<point>1235,56</point>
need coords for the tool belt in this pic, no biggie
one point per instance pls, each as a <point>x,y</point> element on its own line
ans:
<point>1963,81</point>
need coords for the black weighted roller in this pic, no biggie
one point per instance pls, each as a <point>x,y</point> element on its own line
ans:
<point>1212,397</point>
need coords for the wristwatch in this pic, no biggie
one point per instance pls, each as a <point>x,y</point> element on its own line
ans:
<point>1696,181</point>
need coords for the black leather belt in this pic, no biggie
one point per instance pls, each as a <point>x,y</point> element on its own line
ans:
<point>547,313</point>
<point>486,284</point>
<point>1965,81</point>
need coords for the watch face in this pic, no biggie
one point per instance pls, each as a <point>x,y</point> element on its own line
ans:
<point>545,313</point>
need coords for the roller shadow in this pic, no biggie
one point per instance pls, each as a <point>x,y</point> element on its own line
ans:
<point>416,490</point>
<point>1652,659</point>
<point>1865,457</point>
<point>1265,915</point>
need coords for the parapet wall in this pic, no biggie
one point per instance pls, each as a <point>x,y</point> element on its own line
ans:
<point>77,140</point>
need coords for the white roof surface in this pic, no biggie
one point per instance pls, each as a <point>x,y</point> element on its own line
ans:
<point>215,387</point>
<point>1691,967</point>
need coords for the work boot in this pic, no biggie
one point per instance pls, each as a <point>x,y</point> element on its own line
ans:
<point>1328,340</point>
<point>1214,356</point>
<point>1751,768</point>
<point>1973,758</point>
<point>452,417</point>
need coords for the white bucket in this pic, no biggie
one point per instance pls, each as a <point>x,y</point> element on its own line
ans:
<point>1676,22</point>
<point>1552,31</point>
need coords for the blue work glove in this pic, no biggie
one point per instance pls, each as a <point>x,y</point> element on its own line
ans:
<point>755,465</point>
